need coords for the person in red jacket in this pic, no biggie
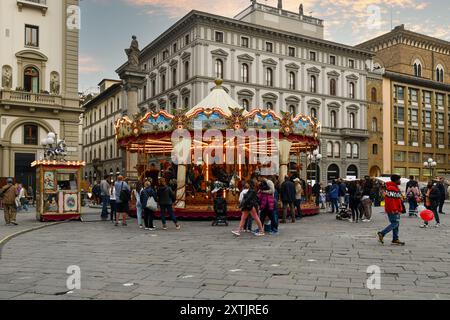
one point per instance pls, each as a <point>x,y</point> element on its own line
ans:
<point>394,208</point>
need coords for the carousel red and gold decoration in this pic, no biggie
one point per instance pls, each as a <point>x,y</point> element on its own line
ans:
<point>151,137</point>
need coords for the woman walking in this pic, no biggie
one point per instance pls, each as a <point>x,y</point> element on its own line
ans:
<point>136,195</point>
<point>146,193</point>
<point>123,196</point>
<point>413,195</point>
<point>249,206</point>
<point>355,193</point>
<point>432,203</point>
<point>112,202</point>
<point>166,198</point>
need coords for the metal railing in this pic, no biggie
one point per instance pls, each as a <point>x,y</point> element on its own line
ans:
<point>29,97</point>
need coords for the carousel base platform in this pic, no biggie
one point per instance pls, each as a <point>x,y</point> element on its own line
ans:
<point>202,212</point>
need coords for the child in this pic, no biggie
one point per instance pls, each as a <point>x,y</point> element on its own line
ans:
<point>220,208</point>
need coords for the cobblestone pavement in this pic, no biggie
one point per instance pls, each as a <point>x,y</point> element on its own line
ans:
<point>317,258</point>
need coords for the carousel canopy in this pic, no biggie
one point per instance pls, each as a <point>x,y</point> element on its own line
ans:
<point>217,99</point>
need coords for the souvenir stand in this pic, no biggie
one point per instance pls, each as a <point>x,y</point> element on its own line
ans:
<point>151,138</point>
<point>58,194</point>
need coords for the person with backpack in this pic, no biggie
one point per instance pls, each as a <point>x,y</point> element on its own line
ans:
<point>149,205</point>
<point>249,206</point>
<point>166,198</point>
<point>8,195</point>
<point>413,196</point>
<point>123,197</point>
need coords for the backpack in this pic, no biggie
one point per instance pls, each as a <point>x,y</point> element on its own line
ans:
<point>151,203</point>
<point>125,195</point>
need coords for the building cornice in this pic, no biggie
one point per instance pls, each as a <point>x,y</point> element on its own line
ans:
<point>98,99</point>
<point>421,82</point>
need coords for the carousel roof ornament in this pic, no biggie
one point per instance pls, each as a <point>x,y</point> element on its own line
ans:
<point>218,99</point>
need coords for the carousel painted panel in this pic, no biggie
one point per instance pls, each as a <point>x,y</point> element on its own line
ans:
<point>157,122</point>
<point>303,126</point>
<point>210,119</point>
<point>263,120</point>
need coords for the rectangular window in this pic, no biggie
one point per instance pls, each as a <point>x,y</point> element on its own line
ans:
<point>399,93</point>
<point>399,114</point>
<point>30,135</point>
<point>427,97</point>
<point>333,60</point>
<point>426,139</point>
<point>269,46</point>
<point>426,118</point>
<point>413,98</point>
<point>219,36</point>
<point>291,52</point>
<point>351,63</point>
<point>31,36</point>
<point>312,56</point>
<point>174,48</point>
<point>440,120</point>
<point>413,117</point>
<point>154,61</point>
<point>187,40</point>
<point>440,100</point>
<point>399,135</point>
<point>413,137</point>
<point>165,54</point>
<point>440,139</point>
<point>244,42</point>
<point>414,157</point>
<point>399,156</point>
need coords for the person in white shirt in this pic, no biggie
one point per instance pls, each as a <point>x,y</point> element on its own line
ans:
<point>112,202</point>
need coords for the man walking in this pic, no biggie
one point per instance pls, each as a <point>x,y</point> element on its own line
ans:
<point>334,197</point>
<point>287,193</point>
<point>8,194</point>
<point>105,195</point>
<point>393,208</point>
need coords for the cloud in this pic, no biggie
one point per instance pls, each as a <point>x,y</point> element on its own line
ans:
<point>87,64</point>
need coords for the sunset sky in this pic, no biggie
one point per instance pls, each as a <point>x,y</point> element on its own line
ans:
<point>107,25</point>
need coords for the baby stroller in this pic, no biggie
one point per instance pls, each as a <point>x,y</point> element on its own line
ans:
<point>344,212</point>
<point>220,209</point>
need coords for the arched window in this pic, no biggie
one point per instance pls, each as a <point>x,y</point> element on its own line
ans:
<point>219,69</point>
<point>333,172</point>
<point>174,77</point>
<point>269,77</point>
<point>333,87</point>
<point>351,90</point>
<point>337,149</point>
<point>333,119</point>
<point>313,113</point>
<point>112,129</point>
<point>352,171</point>
<point>186,71</point>
<point>31,80</point>
<point>417,68</point>
<point>348,150</point>
<point>269,106</point>
<point>313,84</point>
<point>244,72</point>
<point>186,102</point>
<point>111,152</point>
<point>30,134</point>
<point>373,95</point>
<point>163,82</point>
<point>351,120</point>
<point>292,80</point>
<point>245,104</point>
<point>293,110</point>
<point>330,149</point>
<point>439,73</point>
<point>375,149</point>
<point>374,124</point>
<point>355,151</point>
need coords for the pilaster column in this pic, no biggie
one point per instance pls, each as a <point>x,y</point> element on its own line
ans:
<point>284,149</point>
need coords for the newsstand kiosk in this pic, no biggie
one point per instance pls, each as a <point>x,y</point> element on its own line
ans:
<point>58,190</point>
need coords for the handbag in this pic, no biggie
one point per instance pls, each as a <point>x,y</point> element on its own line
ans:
<point>151,203</point>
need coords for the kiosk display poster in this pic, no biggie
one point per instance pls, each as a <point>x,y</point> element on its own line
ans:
<point>71,202</point>
<point>49,181</point>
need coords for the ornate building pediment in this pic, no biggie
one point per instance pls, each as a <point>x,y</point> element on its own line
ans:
<point>245,57</point>
<point>31,55</point>
<point>353,107</point>
<point>185,56</point>
<point>352,77</point>
<point>314,102</point>
<point>333,74</point>
<point>292,66</point>
<point>173,63</point>
<point>246,93</point>
<point>270,61</point>
<point>293,99</point>
<point>334,105</point>
<point>313,70</point>
<point>162,69</point>
<point>219,52</point>
<point>270,96</point>
<point>185,91</point>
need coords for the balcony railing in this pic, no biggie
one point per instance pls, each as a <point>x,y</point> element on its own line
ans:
<point>29,98</point>
<point>354,133</point>
<point>37,4</point>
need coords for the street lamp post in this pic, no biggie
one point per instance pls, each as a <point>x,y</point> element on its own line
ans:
<point>430,164</point>
<point>316,157</point>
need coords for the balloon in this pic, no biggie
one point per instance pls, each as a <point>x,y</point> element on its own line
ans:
<point>427,215</point>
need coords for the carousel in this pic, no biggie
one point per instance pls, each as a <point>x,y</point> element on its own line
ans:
<point>217,145</point>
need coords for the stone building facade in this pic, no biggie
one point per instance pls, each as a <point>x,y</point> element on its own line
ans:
<point>375,123</point>
<point>416,97</point>
<point>39,82</point>
<point>266,67</point>
<point>100,150</point>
